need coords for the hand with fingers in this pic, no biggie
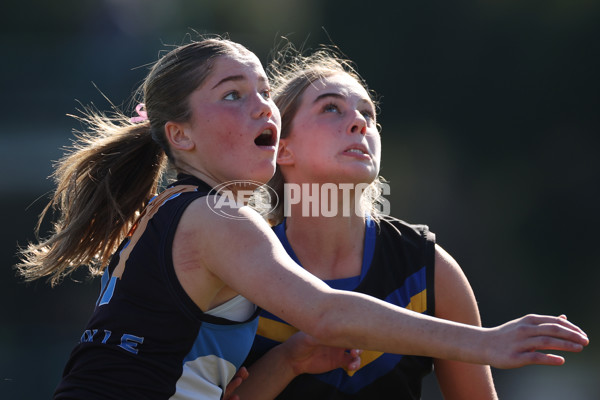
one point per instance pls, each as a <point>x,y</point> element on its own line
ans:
<point>524,341</point>
<point>237,380</point>
<point>308,356</point>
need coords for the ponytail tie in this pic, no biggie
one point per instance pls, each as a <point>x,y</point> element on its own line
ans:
<point>143,115</point>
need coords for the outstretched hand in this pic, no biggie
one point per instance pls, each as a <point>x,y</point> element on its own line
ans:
<point>518,343</point>
<point>307,356</point>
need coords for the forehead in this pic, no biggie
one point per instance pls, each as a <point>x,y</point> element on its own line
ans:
<point>339,83</point>
<point>245,65</point>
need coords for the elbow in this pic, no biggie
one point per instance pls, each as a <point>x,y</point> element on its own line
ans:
<point>325,330</point>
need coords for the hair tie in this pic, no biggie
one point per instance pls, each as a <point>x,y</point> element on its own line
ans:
<point>143,115</point>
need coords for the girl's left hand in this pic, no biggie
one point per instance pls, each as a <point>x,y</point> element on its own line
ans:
<point>237,380</point>
<point>308,356</point>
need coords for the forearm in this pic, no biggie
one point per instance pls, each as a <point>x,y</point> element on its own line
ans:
<point>391,329</point>
<point>268,376</point>
<point>383,327</point>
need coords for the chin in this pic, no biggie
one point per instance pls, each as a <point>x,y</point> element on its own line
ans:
<point>357,175</point>
<point>262,175</point>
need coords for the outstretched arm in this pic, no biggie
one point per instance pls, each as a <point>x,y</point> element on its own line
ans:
<point>261,271</point>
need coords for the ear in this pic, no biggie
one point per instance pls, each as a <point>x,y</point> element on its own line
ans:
<point>285,156</point>
<point>177,136</point>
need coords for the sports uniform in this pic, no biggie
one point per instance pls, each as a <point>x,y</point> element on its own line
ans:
<point>146,338</point>
<point>398,267</point>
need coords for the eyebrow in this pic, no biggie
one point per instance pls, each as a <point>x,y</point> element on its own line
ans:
<point>324,95</point>
<point>342,97</point>
<point>236,78</point>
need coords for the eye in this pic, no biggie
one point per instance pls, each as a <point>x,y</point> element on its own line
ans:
<point>266,94</point>
<point>331,107</point>
<point>369,115</point>
<point>231,96</point>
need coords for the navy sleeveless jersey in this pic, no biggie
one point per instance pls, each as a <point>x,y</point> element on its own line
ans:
<point>146,338</point>
<point>398,267</point>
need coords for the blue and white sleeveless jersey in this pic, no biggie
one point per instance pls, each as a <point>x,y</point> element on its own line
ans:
<point>146,338</point>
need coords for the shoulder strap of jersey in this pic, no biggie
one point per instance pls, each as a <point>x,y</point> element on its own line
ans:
<point>427,255</point>
<point>140,225</point>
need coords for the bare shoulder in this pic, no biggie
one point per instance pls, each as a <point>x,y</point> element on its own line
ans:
<point>203,219</point>
<point>209,249</point>
<point>210,233</point>
<point>454,296</point>
<point>446,267</point>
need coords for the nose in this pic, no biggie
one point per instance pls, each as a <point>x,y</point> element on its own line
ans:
<point>263,108</point>
<point>359,124</point>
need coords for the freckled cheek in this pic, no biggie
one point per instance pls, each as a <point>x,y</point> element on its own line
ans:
<point>216,133</point>
<point>231,138</point>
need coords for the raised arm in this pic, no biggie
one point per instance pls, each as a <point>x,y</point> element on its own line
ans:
<point>247,257</point>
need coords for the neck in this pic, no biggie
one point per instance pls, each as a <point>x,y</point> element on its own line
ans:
<point>206,178</point>
<point>328,247</point>
<point>238,192</point>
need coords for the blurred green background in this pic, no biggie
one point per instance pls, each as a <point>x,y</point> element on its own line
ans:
<point>490,130</point>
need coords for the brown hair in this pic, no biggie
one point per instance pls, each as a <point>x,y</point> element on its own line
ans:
<point>290,74</point>
<point>114,167</point>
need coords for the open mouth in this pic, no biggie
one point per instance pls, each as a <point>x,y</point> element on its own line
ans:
<point>357,151</point>
<point>266,138</point>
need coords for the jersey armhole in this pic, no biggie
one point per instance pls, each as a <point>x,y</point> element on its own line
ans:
<point>429,262</point>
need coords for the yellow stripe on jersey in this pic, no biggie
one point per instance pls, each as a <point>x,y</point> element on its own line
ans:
<point>274,330</point>
<point>418,302</point>
<point>280,332</point>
